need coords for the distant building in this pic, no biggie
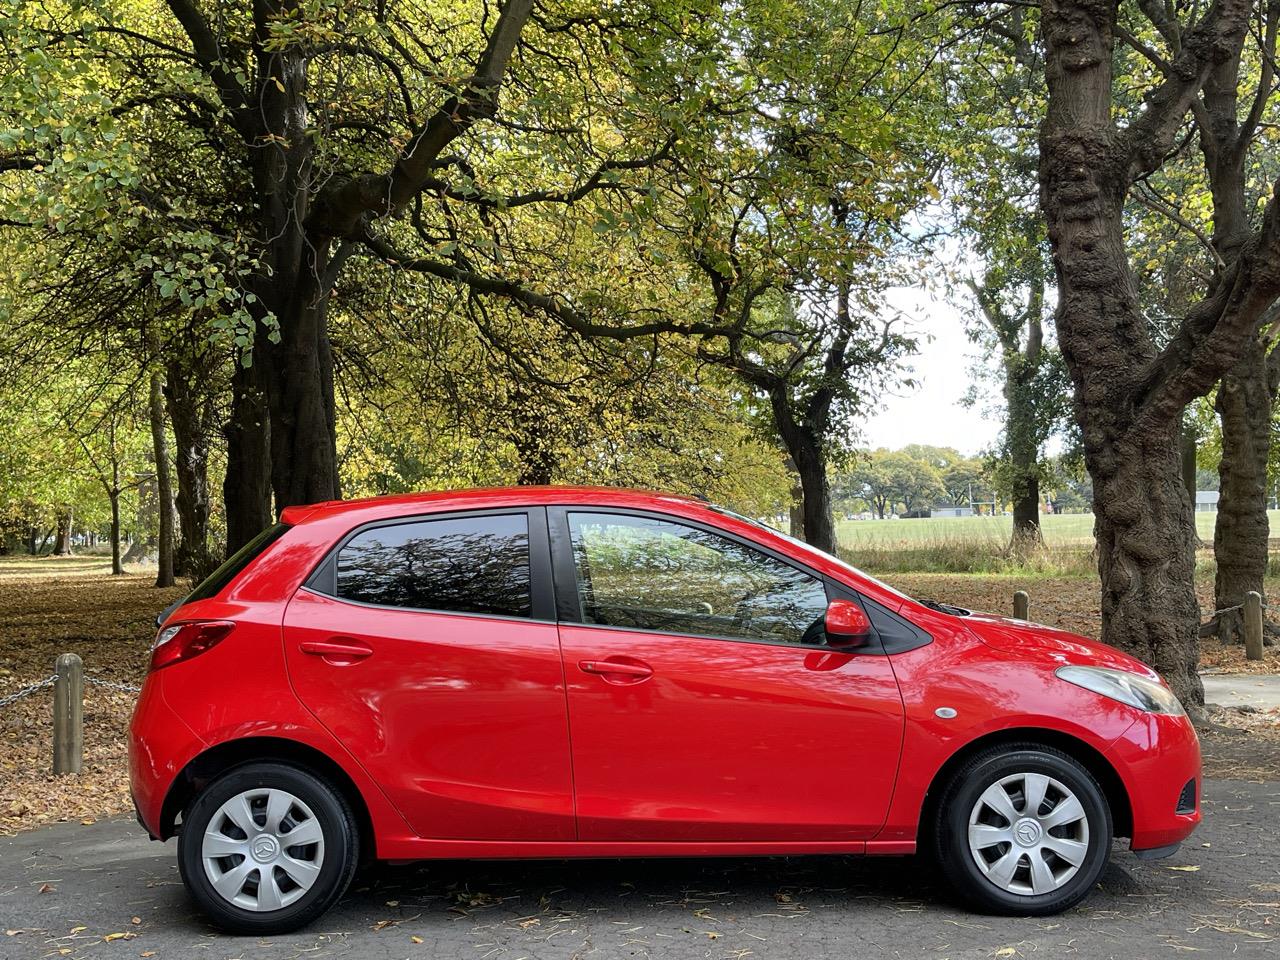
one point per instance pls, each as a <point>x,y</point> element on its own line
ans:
<point>952,510</point>
<point>1206,500</point>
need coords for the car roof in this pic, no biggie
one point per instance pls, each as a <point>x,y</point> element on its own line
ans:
<point>480,498</point>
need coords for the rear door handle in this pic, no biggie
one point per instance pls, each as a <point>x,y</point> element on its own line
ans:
<point>335,652</point>
<point>617,671</point>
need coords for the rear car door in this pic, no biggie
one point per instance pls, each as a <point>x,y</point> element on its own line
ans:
<point>427,645</point>
<point>703,703</point>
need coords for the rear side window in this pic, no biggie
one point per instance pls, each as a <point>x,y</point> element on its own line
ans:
<point>217,581</point>
<point>459,565</point>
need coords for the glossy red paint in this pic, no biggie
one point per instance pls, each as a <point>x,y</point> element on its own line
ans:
<point>729,740</point>
<point>480,736</point>
<point>847,625</point>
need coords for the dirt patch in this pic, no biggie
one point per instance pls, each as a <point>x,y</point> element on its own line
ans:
<point>1242,744</point>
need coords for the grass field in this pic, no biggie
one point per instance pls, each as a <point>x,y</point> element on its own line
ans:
<point>980,545</point>
<point>1069,529</point>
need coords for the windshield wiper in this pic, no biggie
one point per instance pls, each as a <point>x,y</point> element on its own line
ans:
<point>944,608</point>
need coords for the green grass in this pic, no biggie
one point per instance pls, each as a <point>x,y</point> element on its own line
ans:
<point>1068,529</point>
<point>980,545</point>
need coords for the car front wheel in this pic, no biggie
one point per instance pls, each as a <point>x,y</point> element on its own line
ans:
<point>266,848</point>
<point>1024,830</point>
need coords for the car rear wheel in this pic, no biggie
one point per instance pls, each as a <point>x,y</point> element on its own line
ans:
<point>1023,829</point>
<point>266,848</point>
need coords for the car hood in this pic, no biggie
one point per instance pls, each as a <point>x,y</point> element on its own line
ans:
<point>1005,633</point>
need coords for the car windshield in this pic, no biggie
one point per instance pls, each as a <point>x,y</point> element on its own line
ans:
<point>811,549</point>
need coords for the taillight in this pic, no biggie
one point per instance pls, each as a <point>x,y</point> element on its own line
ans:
<point>182,641</point>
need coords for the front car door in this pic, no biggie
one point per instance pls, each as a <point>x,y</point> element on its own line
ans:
<point>703,703</point>
<point>427,645</point>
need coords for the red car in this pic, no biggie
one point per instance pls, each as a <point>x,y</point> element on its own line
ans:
<point>570,672</point>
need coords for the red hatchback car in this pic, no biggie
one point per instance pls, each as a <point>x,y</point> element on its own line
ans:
<point>570,672</point>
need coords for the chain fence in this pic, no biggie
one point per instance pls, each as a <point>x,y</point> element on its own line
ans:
<point>28,690</point>
<point>111,684</point>
<point>9,699</point>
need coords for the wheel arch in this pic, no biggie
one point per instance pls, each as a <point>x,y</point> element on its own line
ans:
<point>1089,757</point>
<point>222,757</point>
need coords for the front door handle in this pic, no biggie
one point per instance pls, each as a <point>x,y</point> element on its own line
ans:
<point>335,652</point>
<point>617,671</point>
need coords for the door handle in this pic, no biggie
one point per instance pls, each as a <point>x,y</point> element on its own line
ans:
<point>334,652</point>
<point>617,671</point>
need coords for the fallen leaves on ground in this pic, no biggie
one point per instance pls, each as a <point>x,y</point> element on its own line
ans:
<point>70,606</point>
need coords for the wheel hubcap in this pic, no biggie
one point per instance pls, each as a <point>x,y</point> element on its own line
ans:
<point>1028,834</point>
<point>263,849</point>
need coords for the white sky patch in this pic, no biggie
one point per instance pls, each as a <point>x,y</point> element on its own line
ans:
<point>933,412</point>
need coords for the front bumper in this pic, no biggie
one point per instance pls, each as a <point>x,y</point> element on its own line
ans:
<point>1158,758</point>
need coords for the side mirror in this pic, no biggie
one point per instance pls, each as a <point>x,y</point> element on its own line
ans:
<point>847,626</point>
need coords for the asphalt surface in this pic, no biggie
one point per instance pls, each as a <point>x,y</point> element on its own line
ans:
<point>1259,690</point>
<point>65,889</point>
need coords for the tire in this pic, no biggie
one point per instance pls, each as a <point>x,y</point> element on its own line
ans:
<point>267,885</point>
<point>991,867</point>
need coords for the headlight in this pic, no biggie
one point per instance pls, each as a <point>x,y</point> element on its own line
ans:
<point>1130,688</point>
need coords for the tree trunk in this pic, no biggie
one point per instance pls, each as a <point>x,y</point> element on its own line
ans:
<point>1024,459</point>
<point>1240,535</point>
<point>1146,553</point>
<point>246,489</point>
<point>62,539</point>
<point>304,443</point>
<point>1143,521</point>
<point>164,486</point>
<point>806,453</point>
<point>117,567</point>
<point>795,513</point>
<point>191,411</point>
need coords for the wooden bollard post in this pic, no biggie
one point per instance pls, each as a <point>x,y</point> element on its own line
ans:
<point>68,714</point>
<point>1253,625</point>
<point>1022,605</point>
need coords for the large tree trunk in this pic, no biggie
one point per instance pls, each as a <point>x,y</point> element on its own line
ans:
<point>284,420</point>
<point>191,411</point>
<point>62,539</point>
<point>295,443</point>
<point>1244,403</point>
<point>1143,521</point>
<point>806,453</point>
<point>164,486</point>
<point>1146,550</point>
<point>246,489</point>
<point>304,444</point>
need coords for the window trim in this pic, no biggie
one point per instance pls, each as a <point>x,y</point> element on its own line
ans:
<point>565,577</point>
<point>323,578</point>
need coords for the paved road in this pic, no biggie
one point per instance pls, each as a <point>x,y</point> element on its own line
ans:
<point>1220,895</point>
<point>1261,690</point>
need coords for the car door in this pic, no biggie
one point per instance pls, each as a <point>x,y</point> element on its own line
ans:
<point>428,647</point>
<point>703,705</point>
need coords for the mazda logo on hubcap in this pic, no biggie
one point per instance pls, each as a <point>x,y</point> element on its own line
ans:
<point>265,848</point>
<point>1027,833</point>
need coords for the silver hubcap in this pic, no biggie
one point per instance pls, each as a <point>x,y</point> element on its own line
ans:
<point>1028,834</point>
<point>263,849</point>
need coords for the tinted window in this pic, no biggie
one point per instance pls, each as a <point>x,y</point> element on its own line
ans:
<point>668,577</point>
<point>214,584</point>
<point>467,565</point>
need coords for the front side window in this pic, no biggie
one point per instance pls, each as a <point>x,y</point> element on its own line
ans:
<point>667,577</point>
<point>461,565</point>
